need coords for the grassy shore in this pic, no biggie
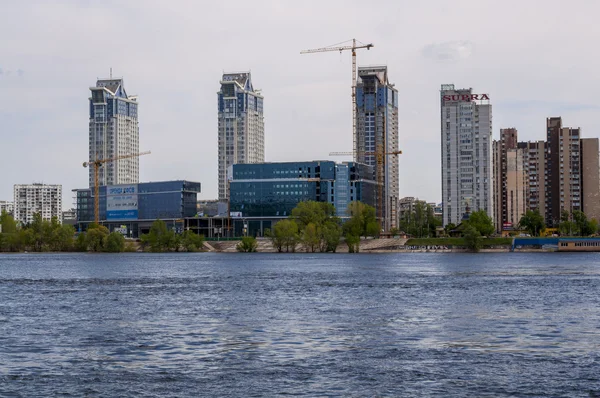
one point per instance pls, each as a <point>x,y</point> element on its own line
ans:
<point>487,242</point>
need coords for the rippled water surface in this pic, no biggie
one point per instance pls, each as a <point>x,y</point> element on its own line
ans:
<point>469,325</point>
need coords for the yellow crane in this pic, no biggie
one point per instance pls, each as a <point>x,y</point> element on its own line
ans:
<point>380,176</point>
<point>96,165</point>
<point>353,48</point>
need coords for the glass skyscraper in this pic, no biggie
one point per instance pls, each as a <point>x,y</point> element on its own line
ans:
<point>241,125</point>
<point>114,131</point>
<point>377,132</point>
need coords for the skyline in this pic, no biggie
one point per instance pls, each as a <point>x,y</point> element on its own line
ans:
<point>174,63</point>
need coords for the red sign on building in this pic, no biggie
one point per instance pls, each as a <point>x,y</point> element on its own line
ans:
<point>466,97</point>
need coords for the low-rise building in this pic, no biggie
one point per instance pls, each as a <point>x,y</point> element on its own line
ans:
<point>263,193</point>
<point>69,217</point>
<point>7,207</point>
<point>132,208</point>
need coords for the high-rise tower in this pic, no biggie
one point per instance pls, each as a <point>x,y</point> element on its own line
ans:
<point>114,131</point>
<point>241,125</point>
<point>377,132</point>
<point>466,139</point>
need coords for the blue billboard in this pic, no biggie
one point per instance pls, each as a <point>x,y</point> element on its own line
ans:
<point>122,202</point>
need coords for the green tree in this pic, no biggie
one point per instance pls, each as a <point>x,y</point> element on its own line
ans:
<point>472,237</point>
<point>285,234</point>
<point>532,222</point>
<point>362,219</point>
<point>353,243</point>
<point>567,228</point>
<point>160,238</point>
<point>247,245</point>
<point>372,229</point>
<point>62,238</point>
<point>191,241</point>
<point>9,225</point>
<point>81,242</point>
<point>114,243</point>
<point>449,227</point>
<point>311,237</point>
<point>332,233</point>
<point>317,213</point>
<point>584,227</point>
<point>95,237</point>
<point>593,226</point>
<point>481,222</point>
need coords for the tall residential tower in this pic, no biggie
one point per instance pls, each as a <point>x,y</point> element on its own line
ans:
<point>377,132</point>
<point>114,131</point>
<point>241,125</point>
<point>511,180</point>
<point>466,138</point>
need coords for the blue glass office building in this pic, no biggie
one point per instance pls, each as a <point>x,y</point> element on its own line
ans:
<point>264,193</point>
<point>136,206</point>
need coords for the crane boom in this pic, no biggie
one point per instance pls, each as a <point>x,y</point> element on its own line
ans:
<point>96,165</point>
<point>352,48</point>
<point>340,49</point>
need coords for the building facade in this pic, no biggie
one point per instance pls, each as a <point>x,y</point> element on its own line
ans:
<point>377,133</point>
<point>30,199</point>
<point>6,206</point>
<point>134,207</point>
<point>241,125</point>
<point>590,177</point>
<point>511,180</point>
<point>536,174</point>
<point>114,131</point>
<point>267,192</point>
<point>466,140</point>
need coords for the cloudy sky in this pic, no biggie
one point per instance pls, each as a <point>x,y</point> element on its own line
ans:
<point>534,58</point>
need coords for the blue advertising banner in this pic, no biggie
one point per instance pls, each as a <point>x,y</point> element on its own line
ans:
<point>121,202</point>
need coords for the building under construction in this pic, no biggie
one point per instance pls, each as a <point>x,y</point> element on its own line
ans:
<point>377,134</point>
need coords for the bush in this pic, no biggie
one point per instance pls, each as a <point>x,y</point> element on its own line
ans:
<point>353,243</point>
<point>114,243</point>
<point>473,240</point>
<point>191,241</point>
<point>247,245</point>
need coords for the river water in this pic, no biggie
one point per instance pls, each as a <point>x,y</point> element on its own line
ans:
<point>175,325</point>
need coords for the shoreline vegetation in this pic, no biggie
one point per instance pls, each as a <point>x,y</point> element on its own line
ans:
<point>312,227</point>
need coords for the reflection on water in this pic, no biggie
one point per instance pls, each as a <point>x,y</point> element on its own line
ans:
<point>264,324</point>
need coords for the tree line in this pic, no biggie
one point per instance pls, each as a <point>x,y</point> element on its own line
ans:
<point>314,226</point>
<point>573,223</point>
<point>49,235</point>
<point>420,221</point>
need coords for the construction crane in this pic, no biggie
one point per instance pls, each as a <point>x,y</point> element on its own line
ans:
<point>353,48</point>
<point>380,176</point>
<point>96,165</point>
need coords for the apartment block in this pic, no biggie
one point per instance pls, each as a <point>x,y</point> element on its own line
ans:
<point>6,206</point>
<point>466,141</point>
<point>37,198</point>
<point>590,186</point>
<point>511,180</point>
